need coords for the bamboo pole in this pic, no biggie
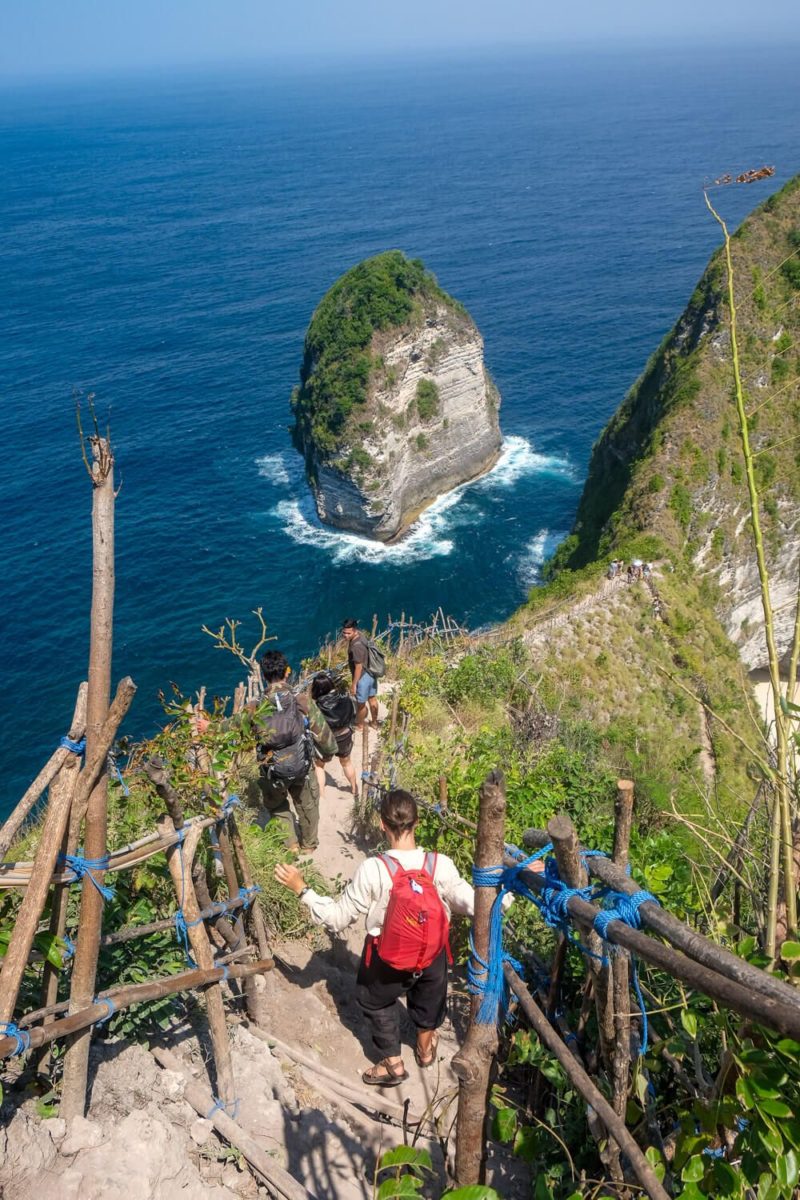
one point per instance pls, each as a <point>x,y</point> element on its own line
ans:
<point>33,902</point>
<point>473,1063</point>
<point>620,961</point>
<point>393,718</point>
<point>128,995</point>
<point>277,1179</point>
<point>76,1061</point>
<point>591,1094</point>
<point>16,819</point>
<point>681,937</point>
<point>179,861</point>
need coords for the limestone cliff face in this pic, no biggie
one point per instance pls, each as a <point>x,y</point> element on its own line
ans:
<point>426,421</point>
<point>667,472</point>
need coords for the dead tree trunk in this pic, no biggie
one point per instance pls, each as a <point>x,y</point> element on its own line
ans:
<point>76,1063</point>
<point>473,1063</point>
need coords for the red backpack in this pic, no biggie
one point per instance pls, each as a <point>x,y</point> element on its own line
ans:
<point>415,928</point>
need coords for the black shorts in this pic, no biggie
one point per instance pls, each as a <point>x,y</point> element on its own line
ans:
<point>344,742</point>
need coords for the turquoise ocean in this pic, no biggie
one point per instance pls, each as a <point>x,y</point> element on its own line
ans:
<point>164,242</point>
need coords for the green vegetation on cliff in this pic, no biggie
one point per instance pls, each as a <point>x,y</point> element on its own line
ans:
<point>381,293</point>
<point>667,464</point>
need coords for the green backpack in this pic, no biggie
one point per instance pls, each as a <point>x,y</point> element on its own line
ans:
<point>376,660</point>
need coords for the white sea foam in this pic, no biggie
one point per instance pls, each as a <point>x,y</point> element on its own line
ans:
<point>536,554</point>
<point>519,458</point>
<point>428,536</point>
<point>274,468</point>
<point>425,539</point>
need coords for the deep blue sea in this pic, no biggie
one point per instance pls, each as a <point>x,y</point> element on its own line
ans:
<point>164,242</point>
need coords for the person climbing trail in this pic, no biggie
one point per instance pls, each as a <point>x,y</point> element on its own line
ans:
<point>406,897</point>
<point>339,710</point>
<point>286,737</point>
<point>366,665</point>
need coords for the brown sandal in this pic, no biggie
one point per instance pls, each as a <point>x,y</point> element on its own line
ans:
<point>424,1063</point>
<point>393,1074</point>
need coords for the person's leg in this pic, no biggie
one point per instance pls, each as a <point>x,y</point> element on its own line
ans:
<point>275,798</point>
<point>349,773</point>
<point>365,688</point>
<point>306,801</point>
<point>319,771</point>
<point>373,711</point>
<point>427,1007</point>
<point>361,713</point>
<point>378,988</point>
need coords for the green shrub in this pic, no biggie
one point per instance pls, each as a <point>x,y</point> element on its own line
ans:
<point>655,484</point>
<point>680,502</point>
<point>780,369</point>
<point>427,399</point>
<point>791,272</point>
<point>421,441</point>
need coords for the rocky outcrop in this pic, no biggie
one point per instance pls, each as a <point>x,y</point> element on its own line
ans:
<point>666,476</point>
<point>426,422</point>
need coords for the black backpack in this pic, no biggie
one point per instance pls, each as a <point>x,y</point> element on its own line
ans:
<point>376,660</point>
<point>285,748</point>
<point>338,709</point>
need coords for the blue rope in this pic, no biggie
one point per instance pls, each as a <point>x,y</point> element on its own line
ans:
<point>485,977</point>
<point>126,791</point>
<point>110,1005</point>
<point>225,973</point>
<point>182,926</point>
<point>625,908</point>
<point>229,805</point>
<point>23,1038</point>
<point>67,743</point>
<point>84,868</point>
<point>70,945</point>
<point>248,894</point>
<point>218,1106</point>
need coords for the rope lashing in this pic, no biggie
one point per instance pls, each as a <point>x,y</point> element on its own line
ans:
<point>70,947</point>
<point>110,1006</point>
<point>248,894</point>
<point>66,743</point>
<point>126,791</point>
<point>230,804</point>
<point>23,1038</point>
<point>84,868</point>
<point>485,977</point>
<point>625,908</point>
<point>219,1106</point>
<point>182,926</point>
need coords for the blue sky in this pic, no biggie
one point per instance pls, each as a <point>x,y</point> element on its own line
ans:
<point>40,38</point>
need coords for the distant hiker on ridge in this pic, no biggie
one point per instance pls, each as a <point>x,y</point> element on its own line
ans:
<point>406,897</point>
<point>339,710</point>
<point>366,666</point>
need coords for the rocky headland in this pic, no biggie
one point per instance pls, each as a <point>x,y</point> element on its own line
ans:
<point>668,466</point>
<point>395,405</point>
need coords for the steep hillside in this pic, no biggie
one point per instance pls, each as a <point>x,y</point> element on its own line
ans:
<point>669,462</point>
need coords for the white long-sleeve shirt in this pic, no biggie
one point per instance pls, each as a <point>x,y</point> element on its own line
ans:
<point>367,893</point>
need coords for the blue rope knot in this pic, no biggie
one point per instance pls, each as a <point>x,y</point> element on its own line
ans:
<point>248,894</point>
<point>485,977</point>
<point>623,908</point>
<point>70,947</point>
<point>182,927</point>
<point>219,1106</point>
<point>229,805</point>
<point>22,1037</point>
<point>110,1006</point>
<point>66,743</point>
<point>84,868</point>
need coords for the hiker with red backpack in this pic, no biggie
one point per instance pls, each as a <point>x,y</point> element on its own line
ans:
<point>406,897</point>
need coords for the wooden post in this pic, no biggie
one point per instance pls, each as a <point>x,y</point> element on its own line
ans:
<point>443,793</point>
<point>583,1084</point>
<point>473,1063</point>
<point>256,915</point>
<point>33,902</point>
<point>179,861</point>
<point>620,960</point>
<point>393,718</point>
<point>374,624</point>
<point>402,632</point>
<point>76,1061</point>
<point>58,759</point>
<point>566,848</point>
<point>364,759</point>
